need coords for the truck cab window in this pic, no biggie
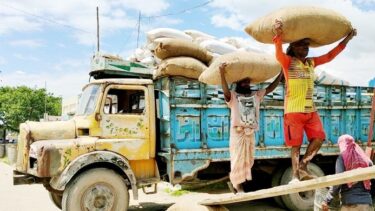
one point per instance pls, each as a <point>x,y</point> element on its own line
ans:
<point>119,101</point>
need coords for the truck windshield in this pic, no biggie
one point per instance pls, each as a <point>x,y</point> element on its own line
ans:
<point>87,101</point>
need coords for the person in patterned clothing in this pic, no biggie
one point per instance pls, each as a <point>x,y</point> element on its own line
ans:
<point>244,105</point>
<point>300,114</point>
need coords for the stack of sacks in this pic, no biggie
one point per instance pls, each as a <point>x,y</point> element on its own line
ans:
<point>217,47</point>
<point>322,26</point>
<point>155,36</point>
<point>198,36</point>
<point>242,44</point>
<point>222,46</point>
<point>195,34</point>
<point>170,47</point>
<point>180,66</point>
<point>237,42</point>
<point>167,33</point>
<point>144,56</point>
<point>327,79</point>
<point>259,67</point>
<point>210,43</point>
<point>179,54</point>
<point>186,53</point>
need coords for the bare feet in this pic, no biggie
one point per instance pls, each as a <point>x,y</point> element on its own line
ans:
<point>305,175</point>
<point>239,189</point>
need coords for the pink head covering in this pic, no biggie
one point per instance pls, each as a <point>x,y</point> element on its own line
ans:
<point>354,157</point>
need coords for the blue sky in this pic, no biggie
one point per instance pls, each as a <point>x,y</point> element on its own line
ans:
<point>53,41</point>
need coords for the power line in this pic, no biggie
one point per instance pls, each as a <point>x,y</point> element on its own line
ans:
<point>48,20</point>
<point>140,17</point>
<point>130,34</point>
<point>128,37</point>
<point>181,11</point>
<point>45,19</point>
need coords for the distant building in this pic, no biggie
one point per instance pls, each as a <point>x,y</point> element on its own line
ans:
<point>371,83</point>
<point>49,118</point>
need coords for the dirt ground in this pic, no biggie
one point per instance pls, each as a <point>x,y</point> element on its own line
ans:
<point>35,197</point>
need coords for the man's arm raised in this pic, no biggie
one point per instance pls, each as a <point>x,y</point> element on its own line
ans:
<point>224,83</point>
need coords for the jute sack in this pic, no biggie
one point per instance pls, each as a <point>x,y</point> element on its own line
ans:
<point>322,26</point>
<point>256,66</point>
<point>170,47</point>
<point>166,32</point>
<point>151,45</point>
<point>329,79</point>
<point>216,46</point>
<point>196,34</point>
<point>180,66</point>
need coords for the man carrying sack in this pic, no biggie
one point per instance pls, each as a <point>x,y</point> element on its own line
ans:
<point>244,105</point>
<point>300,114</point>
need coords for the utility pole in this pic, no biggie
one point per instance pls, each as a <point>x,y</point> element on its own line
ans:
<point>97,28</point>
<point>139,27</point>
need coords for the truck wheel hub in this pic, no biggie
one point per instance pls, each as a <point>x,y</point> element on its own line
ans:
<point>99,196</point>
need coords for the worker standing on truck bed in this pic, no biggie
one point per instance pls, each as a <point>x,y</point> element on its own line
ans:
<point>244,105</point>
<point>300,114</point>
<point>354,196</point>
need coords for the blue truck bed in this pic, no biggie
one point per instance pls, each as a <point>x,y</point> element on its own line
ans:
<point>194,122</point>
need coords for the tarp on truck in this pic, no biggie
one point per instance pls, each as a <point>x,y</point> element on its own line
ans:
<point>107,66</point>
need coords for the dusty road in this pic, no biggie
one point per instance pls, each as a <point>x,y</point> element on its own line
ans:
<point>21,198</point>
<point>35,198</point>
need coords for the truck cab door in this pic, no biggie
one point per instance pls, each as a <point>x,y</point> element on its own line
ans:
<point>125,121</point>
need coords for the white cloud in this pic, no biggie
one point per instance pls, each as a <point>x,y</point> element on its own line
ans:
<point>2,61</point>
<point>147,7</point>
<point>17,24</point>
<point>355,64</point>
<point>26,57</point>
<point>231,22</point>
<point>71,65</point>
<point>67,83</point>
<point>78,15</point>
<point>26,43</point>
<point>20,72</point>
<point>365,2</point>
<point>61,45</point>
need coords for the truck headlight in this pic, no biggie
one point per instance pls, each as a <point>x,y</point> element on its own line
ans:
<point>33,152</point>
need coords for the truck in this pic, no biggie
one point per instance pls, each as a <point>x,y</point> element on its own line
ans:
<point>131,131</point>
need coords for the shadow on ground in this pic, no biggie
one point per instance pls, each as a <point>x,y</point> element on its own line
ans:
<point>150,206</point>
<point>257,205</point>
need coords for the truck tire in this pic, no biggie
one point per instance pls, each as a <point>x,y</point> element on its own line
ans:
<point>276,181</point>
<point>300,201</point>
<point>96,189</point>
<point>56,199</point>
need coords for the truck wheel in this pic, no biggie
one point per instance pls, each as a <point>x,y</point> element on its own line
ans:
<point>300,201</point>
<point>96,189</point>
<point>276,181</point>
<point>56,199</point>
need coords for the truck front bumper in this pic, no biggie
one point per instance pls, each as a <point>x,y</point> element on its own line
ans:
<point>20,178</point>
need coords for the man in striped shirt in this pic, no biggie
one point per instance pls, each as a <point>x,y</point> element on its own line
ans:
<point>300,114</point>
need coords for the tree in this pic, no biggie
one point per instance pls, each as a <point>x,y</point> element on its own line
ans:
<point>19,104</point>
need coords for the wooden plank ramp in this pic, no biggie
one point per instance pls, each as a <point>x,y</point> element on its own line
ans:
<point>320,182</point>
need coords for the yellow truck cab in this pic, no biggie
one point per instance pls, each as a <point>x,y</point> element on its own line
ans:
<point>90,161</point>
